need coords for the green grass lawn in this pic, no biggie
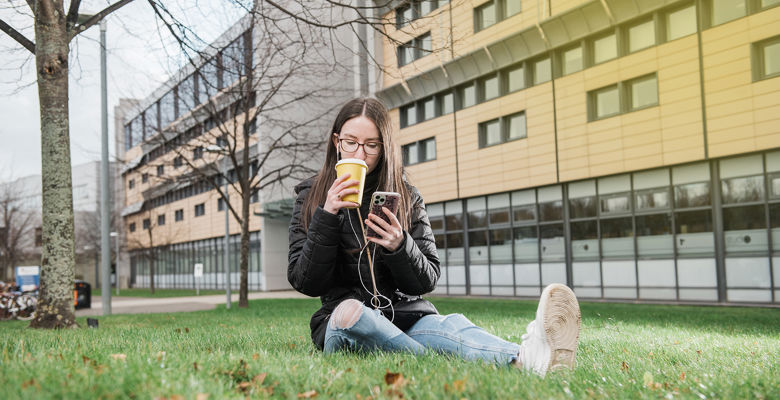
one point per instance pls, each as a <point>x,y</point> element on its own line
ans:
<point>144,292</point>
<point>626,351</point>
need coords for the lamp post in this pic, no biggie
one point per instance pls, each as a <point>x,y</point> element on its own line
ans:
<point>105,243</point>
<point>115,235</point>
<point>225,255</point>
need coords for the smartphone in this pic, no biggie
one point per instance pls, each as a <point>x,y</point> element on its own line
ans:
<point>391,200</point>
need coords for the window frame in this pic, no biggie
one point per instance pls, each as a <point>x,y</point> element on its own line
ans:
<point>503,128</point>
<point>758,58</point>
<point>421,147</point>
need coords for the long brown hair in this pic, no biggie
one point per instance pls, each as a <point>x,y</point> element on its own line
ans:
<point>389,165</point>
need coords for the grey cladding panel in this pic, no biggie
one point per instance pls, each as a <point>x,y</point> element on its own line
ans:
<point>483,62</point>
<point>556,32</point>
<point>501,55</point>
<point>595,16</point>
<point>576,25</point>
<point>534,41</point>
<point>517,48</point>
<point>623,9</point>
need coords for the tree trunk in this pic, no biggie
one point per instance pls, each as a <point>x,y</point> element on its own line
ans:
<point>55,302</point>
<point>243,291</point>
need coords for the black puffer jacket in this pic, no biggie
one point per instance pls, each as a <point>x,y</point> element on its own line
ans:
<point>324,261</point>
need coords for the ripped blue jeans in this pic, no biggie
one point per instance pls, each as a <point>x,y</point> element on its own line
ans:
<point>449,334</point>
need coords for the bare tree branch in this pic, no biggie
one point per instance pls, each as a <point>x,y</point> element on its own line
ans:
<point>16,35</point>
<point>95,18</point>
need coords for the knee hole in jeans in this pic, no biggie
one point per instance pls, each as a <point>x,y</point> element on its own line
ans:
<point>346,314</point>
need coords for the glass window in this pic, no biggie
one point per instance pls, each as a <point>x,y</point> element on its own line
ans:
<point>693,221</point>
<point>641,36</point>
<point>743,190</point>
<point>491,132</point>
<point>426,6</point>
<point>542,71</point>
<point>468,96</point>
<point>428,149</point>
<point>476,213</point>
<point>584,239</point>
<point>498,206</point>
<point>179,215</point>
<point>614,204</point>
<point>770,53</point>
<point>453,215</point>
<point>607,102</point>
<point>447,102</point>
<point>167,109</point>
<point>644,92</point>
<point>411,115</point>
<point>187,96</point>
<point>404,16</point>
<point>572,60</point>
<point>150,121</point>
<point>137,130</point>
<point>512,7</point>
<point>692,195</point>
<point>652,198</point>
<point>653,224</point>
<point>524,213</point>
<point>516,126</point>
<point>429,109</point>
<point>208,80</point>
<point>582,207</point>
<point>551,211</point>
<point>515,79</point>
<point>425,44</point>
<point>490,88</point>
<point>681,23</point>
<point>552,242</point>
<point>485,15</point>
<point>435,216</point>
<point>774,186</point>
<point>604,49</point>
<point>743,218</point>
<point>526,243</point>
<point>727,10</point>
<point>411,154</point>
<point>501,245</point>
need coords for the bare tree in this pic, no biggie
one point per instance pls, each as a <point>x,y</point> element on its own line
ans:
<point>16,227</point>
<point>158,236</point>
<point>54,30</point>
<point>272,81</point>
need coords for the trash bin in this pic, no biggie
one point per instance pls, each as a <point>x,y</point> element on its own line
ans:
<point>82,294</point>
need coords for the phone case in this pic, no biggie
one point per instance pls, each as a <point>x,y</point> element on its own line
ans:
<point>379,200</point>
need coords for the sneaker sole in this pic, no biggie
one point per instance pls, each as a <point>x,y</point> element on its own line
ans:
<point>561,325</point>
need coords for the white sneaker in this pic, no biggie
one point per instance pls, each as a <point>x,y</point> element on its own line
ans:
<point>550,341</point>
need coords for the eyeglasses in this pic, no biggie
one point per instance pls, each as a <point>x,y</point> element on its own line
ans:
<point>351,146</point>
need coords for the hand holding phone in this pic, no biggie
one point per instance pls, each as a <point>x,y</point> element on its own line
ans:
<point>390,200</point>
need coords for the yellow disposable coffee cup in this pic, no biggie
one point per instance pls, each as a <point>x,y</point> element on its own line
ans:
<point>357,170</point>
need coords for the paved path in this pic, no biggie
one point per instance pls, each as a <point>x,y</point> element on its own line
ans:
<point>144,305</point>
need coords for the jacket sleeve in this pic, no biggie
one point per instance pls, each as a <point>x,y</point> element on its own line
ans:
<point>415,265</point>
<point>312,254</point>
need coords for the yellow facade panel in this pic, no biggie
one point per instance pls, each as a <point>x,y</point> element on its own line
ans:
<point>735,124</point>
<point>682,155</point>
<point>732,147</point>
<point>769,141</point>
<point>725,35</point>
<point>683,136</point>
<point>726,96</point>
<point>606,168</point>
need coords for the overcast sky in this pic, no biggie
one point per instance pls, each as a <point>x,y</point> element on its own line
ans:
<point>141,56</point>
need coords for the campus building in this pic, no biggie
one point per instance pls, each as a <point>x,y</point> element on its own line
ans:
<point>627,148</point>
<point>244,94</point>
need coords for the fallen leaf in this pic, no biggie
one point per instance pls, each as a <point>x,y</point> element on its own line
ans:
<point>85,359</point>
<point>119,356</point>
<point>682,376</point>
<point>178,330</point>
<point>259,379</point>
<point>698,351</point>
<point>187,330</point>
<point>392,377</point>
<point>624,366</point>
<point>651,354</point>
<point>202,396</point>
<point>160,355</point>
<point>176,397</point>
<point>459,385</point>
<point>243,386</point>
<point>255,356</point>
<point>308,395</point>
<point>195,366</point>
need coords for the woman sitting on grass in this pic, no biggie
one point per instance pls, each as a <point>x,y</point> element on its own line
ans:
<point>328,258</point>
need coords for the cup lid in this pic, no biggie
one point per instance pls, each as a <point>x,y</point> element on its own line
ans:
<point>352,161</point>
